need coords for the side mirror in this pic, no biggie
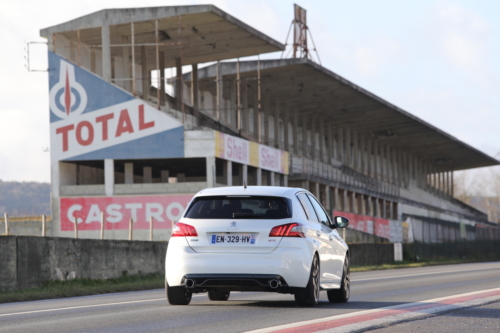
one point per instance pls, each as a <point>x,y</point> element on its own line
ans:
<point>341,222</point>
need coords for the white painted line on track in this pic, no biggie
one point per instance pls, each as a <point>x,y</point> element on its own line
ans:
<point>365,319</point>
<point>88,306</point>
<point>421,274</point>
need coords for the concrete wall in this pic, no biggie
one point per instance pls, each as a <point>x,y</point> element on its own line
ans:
<point>25,228</point>
<point>371,254</point>
<point>29,261</point>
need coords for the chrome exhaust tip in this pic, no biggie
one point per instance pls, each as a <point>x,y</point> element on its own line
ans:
<point>274,283</point>
<point>190,283</point>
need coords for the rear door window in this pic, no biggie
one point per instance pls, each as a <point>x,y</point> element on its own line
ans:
<point>308,208</point>
<point>234,207</point>
<point>323,217</point>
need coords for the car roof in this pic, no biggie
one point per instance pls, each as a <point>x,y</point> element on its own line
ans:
<point>277,191</point>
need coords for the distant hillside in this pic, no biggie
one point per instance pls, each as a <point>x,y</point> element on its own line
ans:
<point>24,198</point>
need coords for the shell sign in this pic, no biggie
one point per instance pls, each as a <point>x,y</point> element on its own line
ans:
<point>251,153</point>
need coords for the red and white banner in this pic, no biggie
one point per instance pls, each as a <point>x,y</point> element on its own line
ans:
<point>369,224</point>
<point>119,210</point>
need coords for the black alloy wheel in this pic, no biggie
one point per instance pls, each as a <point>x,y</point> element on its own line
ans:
<point>342,295</point>
<point>309,296</point>
<point>178,295</point>
<point>215,295</point>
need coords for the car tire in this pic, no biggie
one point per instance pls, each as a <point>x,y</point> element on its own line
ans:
<point>342,295</point>
<point>178,295</point>
<point>309,296</point>
<point>215,295</point>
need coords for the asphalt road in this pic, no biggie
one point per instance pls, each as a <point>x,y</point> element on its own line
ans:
<point>148,311</point>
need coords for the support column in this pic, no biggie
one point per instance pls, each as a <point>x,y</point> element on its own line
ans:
<point>346,207</point>
<point>258,172</point>
<point>147,175</point>
<point>194,86</point>
<point>179,95</point>
<point>348,157</point>
<point>316,191</point>
<point>106,53</point>
<point>322,156</point>
<point>295,130</point>
<point>328,202</point>
<point>336,199</point>
<point>370,206</point>
<point>354,203</point>
<point>162,77</point>
<point>285,180</point>
<point>266,120</point>
<point>277,124</point>
<point>329,141</point>
<point>272,175</point>
<point>210,167</point>
<point>314,143</point>
<point>304,135</point>
<point>144,74</point>
<point>219,92</point>
<point>228,172</point>
<point>129,173</point>
<point>340,145</point>
<point>244,174</point>
<point>355,150</point>
<point>126,84</point>
<point>165,174</point>
<point>286,121</point>
<point>109,177</point>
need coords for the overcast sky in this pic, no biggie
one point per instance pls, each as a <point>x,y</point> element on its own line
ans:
<point>438,60</point>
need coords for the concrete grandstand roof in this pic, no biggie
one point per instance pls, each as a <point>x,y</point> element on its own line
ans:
<point>208,33</point>
<point>313,89</point>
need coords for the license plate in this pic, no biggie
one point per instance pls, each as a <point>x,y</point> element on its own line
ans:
<point>233,239</point>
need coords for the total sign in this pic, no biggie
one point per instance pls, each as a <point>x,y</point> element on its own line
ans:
<point>93,119</point>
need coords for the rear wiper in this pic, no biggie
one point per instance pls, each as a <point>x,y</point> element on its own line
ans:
<point>247,215</point>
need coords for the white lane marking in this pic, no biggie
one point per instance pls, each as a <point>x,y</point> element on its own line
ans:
<point>365,312</point>
<point>87,306</point>
<point>429,273</point>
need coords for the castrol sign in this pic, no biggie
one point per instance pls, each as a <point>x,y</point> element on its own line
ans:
<point>118,211</point>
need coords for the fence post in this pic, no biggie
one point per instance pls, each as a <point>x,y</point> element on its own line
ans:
<point>130,229</point>
<point>44,221</point>
<point>76,227</point>
<point>102,225</point>
<point>6,219</point>
<point>151,228</point>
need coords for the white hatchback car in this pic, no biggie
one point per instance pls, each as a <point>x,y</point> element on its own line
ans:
<point>257,238</point>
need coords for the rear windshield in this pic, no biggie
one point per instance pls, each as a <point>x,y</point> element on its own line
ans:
<point>236,207</point>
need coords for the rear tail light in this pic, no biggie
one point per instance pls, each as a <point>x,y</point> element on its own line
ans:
<point>182,230</point>
<point>287,230</point>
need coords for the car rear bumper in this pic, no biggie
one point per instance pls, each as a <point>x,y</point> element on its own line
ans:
<point>292,265</point>
<point>235,282</point>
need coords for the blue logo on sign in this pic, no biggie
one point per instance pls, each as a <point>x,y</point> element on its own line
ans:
<point>252,240</point>
<point>213,239</point>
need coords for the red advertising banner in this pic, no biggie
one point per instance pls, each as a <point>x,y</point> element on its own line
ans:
<point>119,210</point>
<point>369,224</point>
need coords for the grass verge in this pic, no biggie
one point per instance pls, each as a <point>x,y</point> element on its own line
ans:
<point>84,287</point>
<point>413,264</point>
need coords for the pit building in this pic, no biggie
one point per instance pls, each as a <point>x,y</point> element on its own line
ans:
<point>148,106</point>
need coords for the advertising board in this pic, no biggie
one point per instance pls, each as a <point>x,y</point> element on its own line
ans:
<point>119,210</point>
<point>91,119</point>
